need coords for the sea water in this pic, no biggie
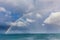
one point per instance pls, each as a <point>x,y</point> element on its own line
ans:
<point>29,36</point>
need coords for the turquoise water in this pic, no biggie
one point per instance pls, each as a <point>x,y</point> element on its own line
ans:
<point>29,36</point>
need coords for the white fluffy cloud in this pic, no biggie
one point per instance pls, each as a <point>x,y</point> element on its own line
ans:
<point>38,15</point>
<point>2,9</point>
<point>54,18</point>
<point>30,20</point>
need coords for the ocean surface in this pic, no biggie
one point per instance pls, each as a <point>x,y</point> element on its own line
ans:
<point>29,36</point>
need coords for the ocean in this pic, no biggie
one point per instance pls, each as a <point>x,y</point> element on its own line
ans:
<point>29,36</point>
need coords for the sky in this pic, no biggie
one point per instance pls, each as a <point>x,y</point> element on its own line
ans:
<point>29,16</point>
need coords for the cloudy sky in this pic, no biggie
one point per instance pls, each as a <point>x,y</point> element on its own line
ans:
<point>29,16</point>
